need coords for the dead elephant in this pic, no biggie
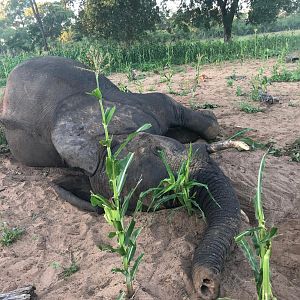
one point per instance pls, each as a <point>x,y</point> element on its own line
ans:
<point>50,120</point>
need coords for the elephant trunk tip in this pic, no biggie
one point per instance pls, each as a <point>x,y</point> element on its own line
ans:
<point>206,283</point>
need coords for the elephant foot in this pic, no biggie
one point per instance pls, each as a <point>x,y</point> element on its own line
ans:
<point>206,283</point>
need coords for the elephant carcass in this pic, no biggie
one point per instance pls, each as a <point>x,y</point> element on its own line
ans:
<point>50,120</point>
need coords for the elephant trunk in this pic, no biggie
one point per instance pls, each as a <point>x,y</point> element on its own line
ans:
<point>223,218</point>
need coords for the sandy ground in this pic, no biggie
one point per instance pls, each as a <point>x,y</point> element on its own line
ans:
<point>56,231</point>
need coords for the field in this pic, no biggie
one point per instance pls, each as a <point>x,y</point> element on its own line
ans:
<point>56,234</point>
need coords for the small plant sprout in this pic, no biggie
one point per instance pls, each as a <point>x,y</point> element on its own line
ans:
<point>198,68</point>
<point>176,187</point>
<point>249,108</point>
<point>230,82</point>
<point>68,271</point>
<point>10,235</point>
<point>239,92</point>
<point>115,208</point>
<point>256,244</point>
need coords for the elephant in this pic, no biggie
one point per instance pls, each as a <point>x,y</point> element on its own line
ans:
<point>51,121</point>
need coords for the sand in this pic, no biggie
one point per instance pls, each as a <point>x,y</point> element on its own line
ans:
<point>56,232</point>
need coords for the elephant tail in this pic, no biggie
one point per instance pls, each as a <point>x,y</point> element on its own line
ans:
<point>223,218</point>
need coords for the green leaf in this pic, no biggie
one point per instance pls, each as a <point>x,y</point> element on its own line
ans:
<point>136,265</point>
<point>247,232</point>
<point>96,93</point>
<point>112,234</point>
<point>118,270</point>
<point>109,112</point>
<point>129,231</point>
<point>269,235</point>
<point>131,252</point>
<point>107,247</point>
<point>130,137</point>
<point>135,234</point>
<point>124,164</point>
<point>250,256</point>
<point>98,200</point>
<point>239,133</point>
<point>258,199</point>
<point>109,165</point>
<point>127,199</point>
<point>162,156</point>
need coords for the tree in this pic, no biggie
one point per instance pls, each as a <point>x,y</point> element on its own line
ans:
<point>19,29</point>
<point>122,20</point>
<point>267,11</point>
<point>37,16</point>
<point>55,19</point>
<point>208,12</point>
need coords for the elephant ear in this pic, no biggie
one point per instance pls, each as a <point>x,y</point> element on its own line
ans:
<point>76,132</point>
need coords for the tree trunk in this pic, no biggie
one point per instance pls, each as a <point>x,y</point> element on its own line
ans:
<point>227,32</point>
<point>228,14</point>
<point>37,16</point>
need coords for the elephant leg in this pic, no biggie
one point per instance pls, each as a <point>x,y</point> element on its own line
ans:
<point>76,190</point>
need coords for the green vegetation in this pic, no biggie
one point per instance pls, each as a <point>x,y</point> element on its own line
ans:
<point>294,151</point>
<point>68,271</point>
<point>259,85</point>
<point>116,207</point>
<point>256,244</point>
<point>239,92</point>
<point>281,74</point>
<point>249,108</point>
<point>10,235</point>
<point>152,56</point>
<point>176,188</point>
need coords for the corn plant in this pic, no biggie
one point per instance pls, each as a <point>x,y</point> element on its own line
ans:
<point>176,187</point>
<point>256,244</point>
<point>115,208</point>
<point>259,85</point>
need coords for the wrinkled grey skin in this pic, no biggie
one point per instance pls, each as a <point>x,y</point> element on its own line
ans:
<point>50,121</point>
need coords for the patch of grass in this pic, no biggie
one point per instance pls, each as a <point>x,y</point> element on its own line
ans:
<point>249,108</point>
<point>68,271</point>
<point>256,243</point>
<point>230,82</point>
<point>294,151</point>
<point>10,235</point>
<point>281,74</point>
<point>239,92</point>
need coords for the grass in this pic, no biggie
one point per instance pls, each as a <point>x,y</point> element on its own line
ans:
<point>256,243</point>
<point>294,151</point>
<point>10,235</point>
<point>149,55</point>
<point>68,271</point>
<point>249,108</point>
